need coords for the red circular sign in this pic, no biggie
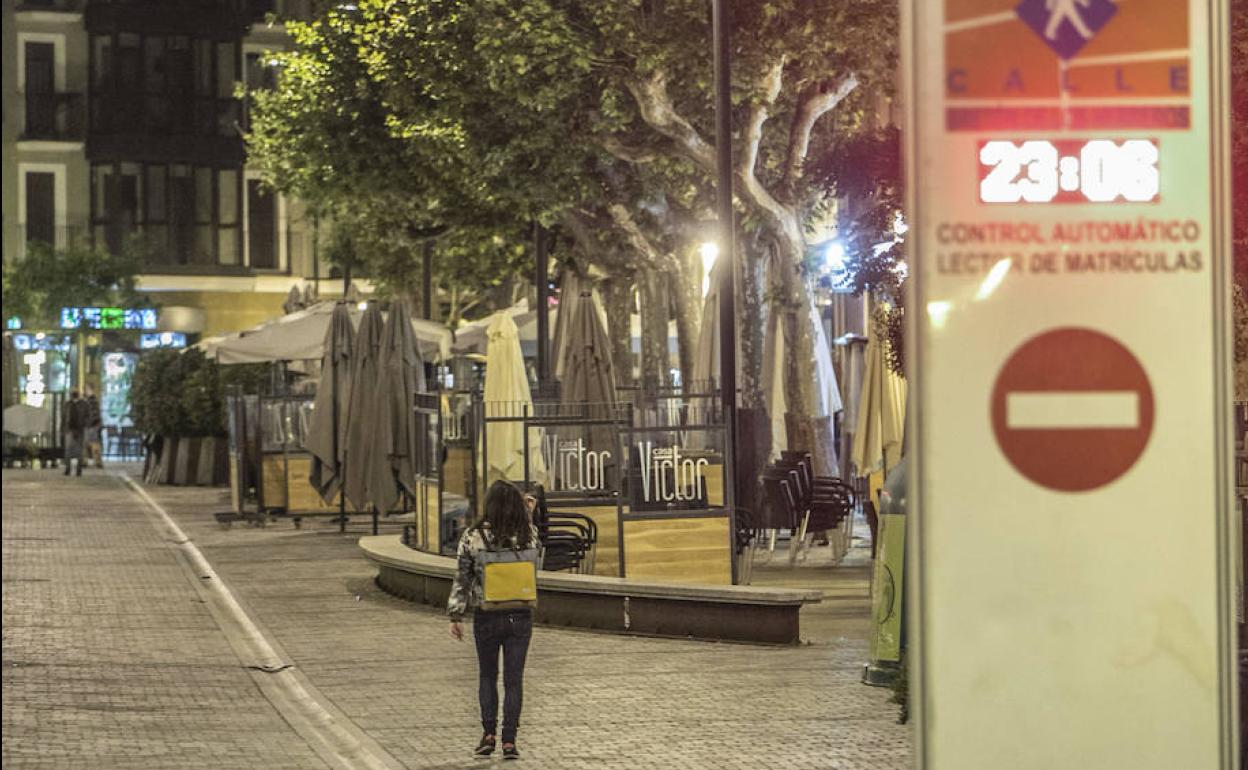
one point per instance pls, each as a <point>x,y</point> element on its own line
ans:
<point>1072,409</point>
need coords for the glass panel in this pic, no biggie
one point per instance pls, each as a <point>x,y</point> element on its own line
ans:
<point>227,189</point>
<point>227,69</point>
<point>156,239</point>
<point>101,176</point>
<point>154,64</point>
<point>204,247</point>
<point>41,207</point>
<point>157,210</point>
<point>227,242</point>
<point>102,60</point>
<point>203,195</point>
<point>203,67</point>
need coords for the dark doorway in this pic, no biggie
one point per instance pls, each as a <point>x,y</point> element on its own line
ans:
<point>41,207</point>
<point>261,226</point>
<point>40,90</point>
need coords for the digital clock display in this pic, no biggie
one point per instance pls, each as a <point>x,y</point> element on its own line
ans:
<point>1069,171</point>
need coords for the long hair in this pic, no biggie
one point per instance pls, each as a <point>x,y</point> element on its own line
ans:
<point>505,512</point>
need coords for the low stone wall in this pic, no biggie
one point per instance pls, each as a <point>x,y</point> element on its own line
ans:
<point>619,605</point>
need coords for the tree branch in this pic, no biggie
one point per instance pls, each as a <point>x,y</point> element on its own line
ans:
<point>657,110</point>
<point>814,104</point>
<point>783,218</point>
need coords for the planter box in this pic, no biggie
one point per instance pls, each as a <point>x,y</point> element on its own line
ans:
<point>191,461</point>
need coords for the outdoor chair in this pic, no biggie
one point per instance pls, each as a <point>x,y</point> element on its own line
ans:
<point>568,540</point>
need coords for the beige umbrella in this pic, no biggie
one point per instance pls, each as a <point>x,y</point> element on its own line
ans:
<point>880,428</point>
<point>507,394</point>
<point>327,436</point>
<point>774,355</point>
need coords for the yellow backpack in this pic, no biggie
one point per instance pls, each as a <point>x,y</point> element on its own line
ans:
<point>508,577</point>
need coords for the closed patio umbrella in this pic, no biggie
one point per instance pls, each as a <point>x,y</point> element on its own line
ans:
<point>774,361</point>
<point>507,393</point>
<point>881,413</point>
<point>362,408</point>
<point>396,438</point>
<point>327,435</point>
<point>588,373</point>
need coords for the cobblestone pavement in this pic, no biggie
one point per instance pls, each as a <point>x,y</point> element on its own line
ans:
<point>591,700</point>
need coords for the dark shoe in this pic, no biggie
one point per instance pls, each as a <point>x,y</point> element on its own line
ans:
<point>510,751</point>
<point>66,470</point>
<point>485,747</point>
<point>79,473</point>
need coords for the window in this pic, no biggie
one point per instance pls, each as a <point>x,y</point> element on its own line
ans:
<point>41,207</point>
<point>164,84</point>
<point>261,226</point>
<point>40,61</point>
<point>227,217</point>
<point>186,215</point>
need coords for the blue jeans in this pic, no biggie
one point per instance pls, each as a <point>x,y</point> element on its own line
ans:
<point>510,630</point>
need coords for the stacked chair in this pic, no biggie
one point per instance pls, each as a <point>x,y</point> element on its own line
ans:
<point>568,540</point>
<point>794,498</point>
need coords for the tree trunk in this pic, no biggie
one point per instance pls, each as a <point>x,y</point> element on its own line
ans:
<point>752,319</point>
<point>654,318</point>
<point>686,299</point>
<point>617,300</point>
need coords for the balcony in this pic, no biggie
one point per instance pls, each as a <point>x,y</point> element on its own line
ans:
<point>228,18</point>
<point>53,117</point>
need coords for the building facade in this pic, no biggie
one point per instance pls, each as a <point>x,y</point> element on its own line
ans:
<point>123,128</point>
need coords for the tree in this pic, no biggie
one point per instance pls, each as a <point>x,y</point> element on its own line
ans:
<point>45,279</point>
<point>325,135</point>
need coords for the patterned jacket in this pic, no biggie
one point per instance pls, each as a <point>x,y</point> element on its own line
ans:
<point>466,590</point>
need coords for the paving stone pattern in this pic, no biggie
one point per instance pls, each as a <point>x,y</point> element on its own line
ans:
<point>591,700</point>
<point>111,660</point>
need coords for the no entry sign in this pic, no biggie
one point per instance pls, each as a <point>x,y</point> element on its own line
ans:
<point>1073,596</point>
<point>1072,409</point>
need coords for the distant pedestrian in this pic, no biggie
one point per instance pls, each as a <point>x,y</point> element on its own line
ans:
<point>75,419</point>
<point>493,576</point>
<point>95,423</point>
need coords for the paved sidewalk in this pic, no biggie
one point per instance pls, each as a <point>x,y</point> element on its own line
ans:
<point>111,659</point>
<point>591,700</point>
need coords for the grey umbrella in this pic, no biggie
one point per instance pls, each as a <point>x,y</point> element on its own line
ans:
<point>396,437</point>
<point>362,408</point>
<point>327,436</point>
<point>588,374</point>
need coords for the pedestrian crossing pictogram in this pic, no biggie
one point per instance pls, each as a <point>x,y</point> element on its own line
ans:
<point>1066,26</point>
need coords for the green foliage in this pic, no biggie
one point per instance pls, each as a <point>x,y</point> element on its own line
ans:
<point>182,394</point>
<point>45,279</point>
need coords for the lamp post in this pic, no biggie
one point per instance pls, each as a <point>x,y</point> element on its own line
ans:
<point>720,33</point>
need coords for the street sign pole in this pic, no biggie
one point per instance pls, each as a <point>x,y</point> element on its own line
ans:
<point>1072,594</point>
<point>721,33</point>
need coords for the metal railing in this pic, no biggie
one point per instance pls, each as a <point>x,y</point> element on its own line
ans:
<point>54,117</point>
<point>64,6</point>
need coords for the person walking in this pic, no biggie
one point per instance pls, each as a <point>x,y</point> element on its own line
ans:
<point>490,580</point>
<point>95,422</point>
<point>75,430</point>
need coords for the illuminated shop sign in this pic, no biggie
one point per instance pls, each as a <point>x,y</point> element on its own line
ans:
<point>25,342</point>
<point>12,323</point>
<point>162,340</point>
<point>35,386</point>
<point>108,318</point>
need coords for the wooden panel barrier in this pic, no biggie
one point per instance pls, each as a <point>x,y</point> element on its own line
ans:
<point>298,494</point>
<point>457,470</point>
<point>679,550</point>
